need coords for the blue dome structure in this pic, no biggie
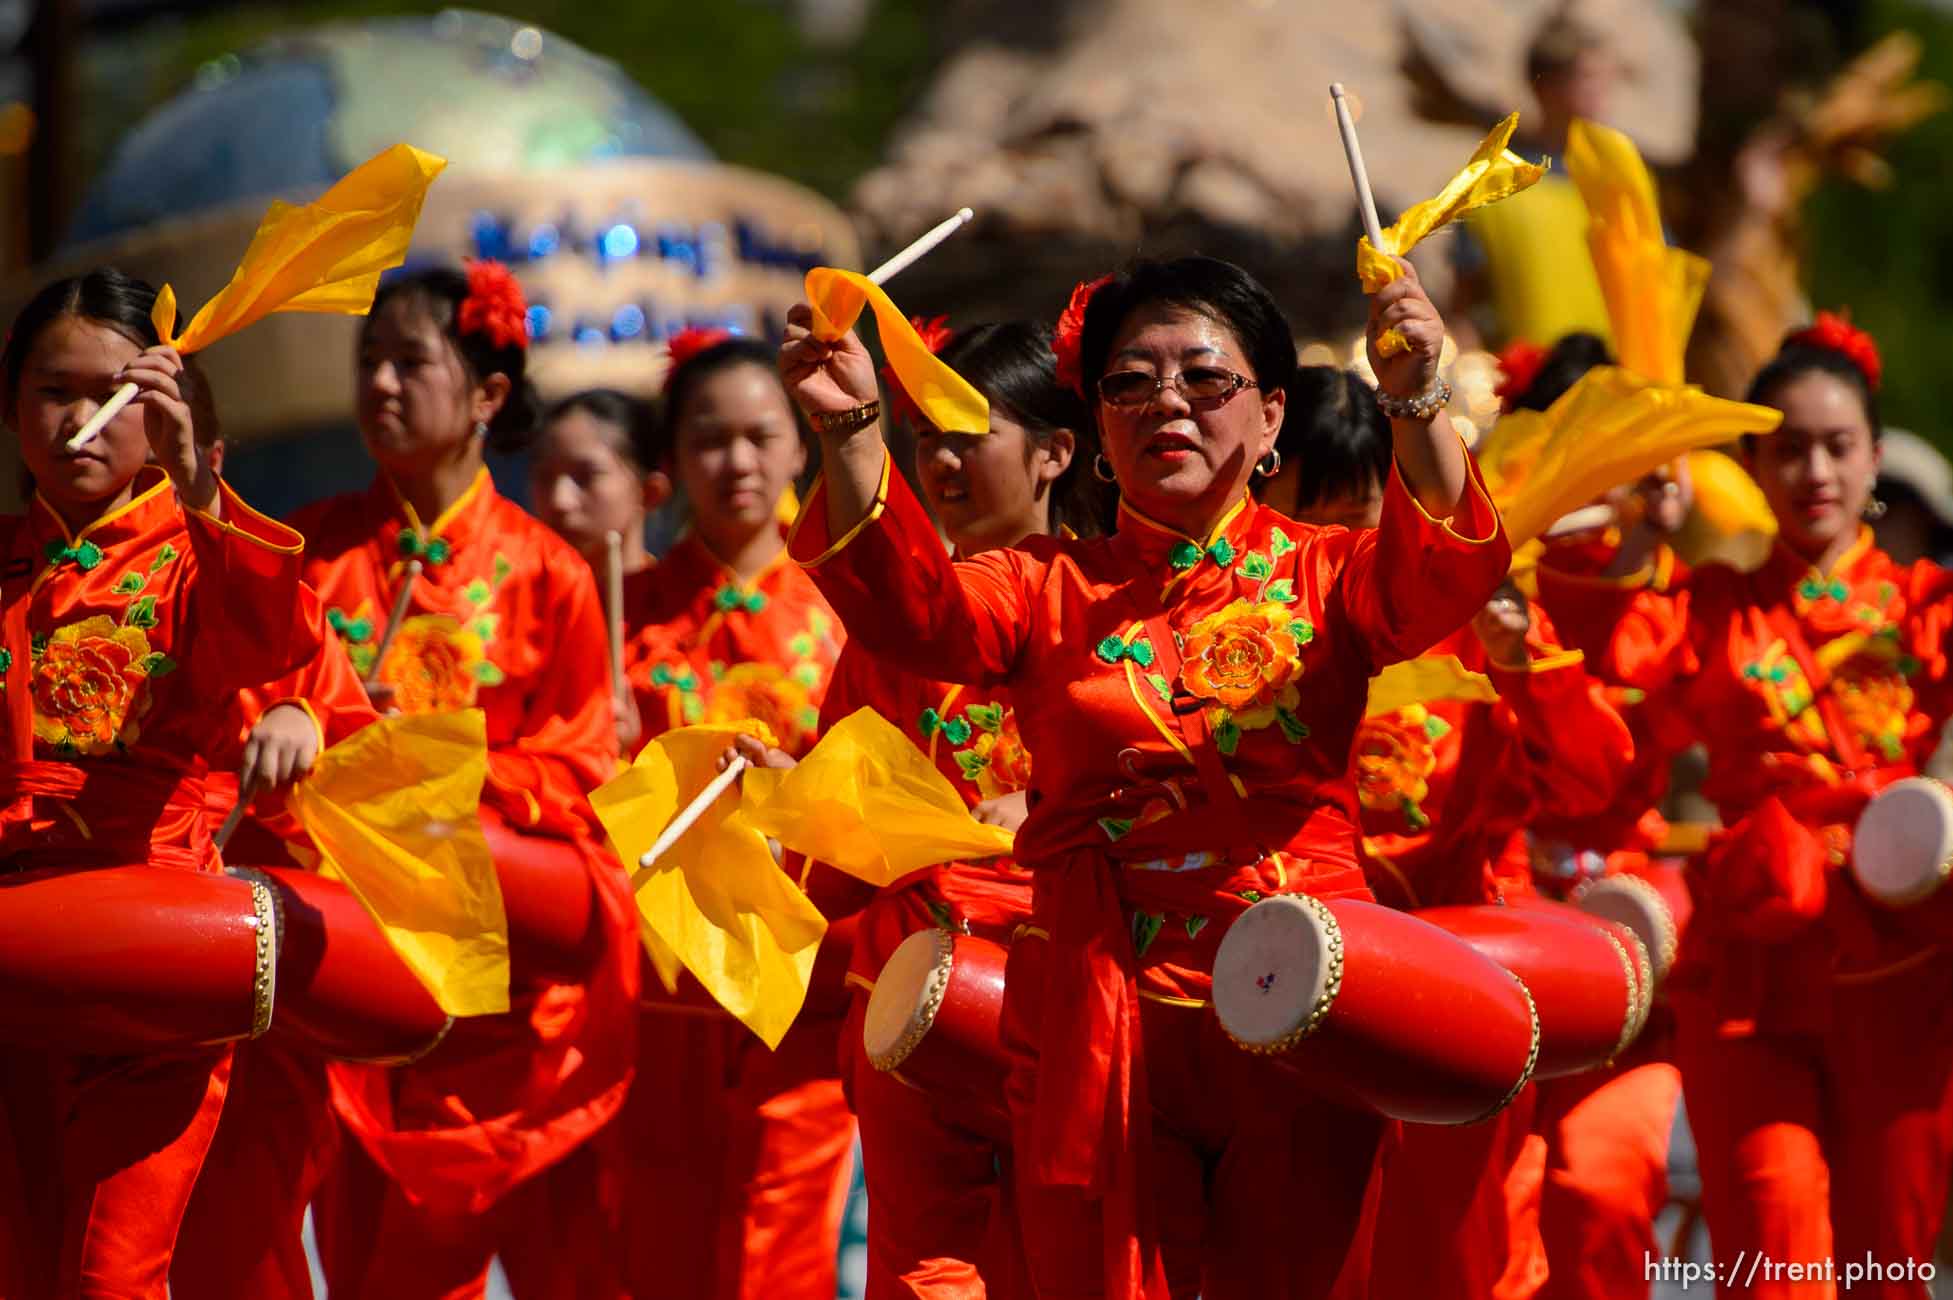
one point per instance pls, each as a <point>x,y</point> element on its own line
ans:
<point>295,114</point>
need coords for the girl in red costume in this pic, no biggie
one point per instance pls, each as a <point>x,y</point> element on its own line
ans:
<point>1190,687</point>
<point>937,1177</point>
<point>1809,1020</point>
<point>136,590</point>
<point>502,616</point>
<point>734,1162</point>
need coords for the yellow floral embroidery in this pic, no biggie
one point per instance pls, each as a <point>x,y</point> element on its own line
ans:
<point>1395,760</point>
<point>91,686</point>
<point>766,693</point>
<point>1245,660</point>
<point>435,665</point>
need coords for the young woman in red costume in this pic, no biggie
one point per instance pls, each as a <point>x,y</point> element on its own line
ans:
<point>1809,1019</point>
<point>1190,687</point>
<point>1443,785</point>
<point>136,590</point>
<point>938,1177</point>
<point>733,1164</point>
<point>500,615</point>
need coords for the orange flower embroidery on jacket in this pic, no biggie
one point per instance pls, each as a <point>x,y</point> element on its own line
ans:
<point>1876,702</point>
<point>1394,760</point>
<point>91,686</point>
<point>767,694</point>
<point>434,665</point>
<point>998,762</point>
<point>1245,661</point>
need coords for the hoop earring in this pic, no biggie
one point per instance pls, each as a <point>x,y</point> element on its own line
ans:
<point>1271,464</point>
<point>1874,508</point>
<point>1102,469</point>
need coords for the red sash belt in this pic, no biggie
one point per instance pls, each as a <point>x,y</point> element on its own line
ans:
<point>98,814</point>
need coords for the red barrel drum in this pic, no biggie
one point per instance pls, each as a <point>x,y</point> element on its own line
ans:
<point>934,1019</point>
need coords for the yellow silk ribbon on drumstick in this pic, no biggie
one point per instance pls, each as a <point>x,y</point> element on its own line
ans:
<point>866,801</point>
<point>1730,522</point>
<point>1493,173</point>
<point>323,256</point>
<point>1652,291</point>
<point>394,813</point>
<point>949,401</point>
<point>1427,679</point>
<point>716,900</point>
<point>1610,428</point>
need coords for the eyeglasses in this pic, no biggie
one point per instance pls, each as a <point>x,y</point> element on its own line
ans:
<point>1195,384</point>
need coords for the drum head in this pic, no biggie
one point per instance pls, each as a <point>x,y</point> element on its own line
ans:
<point>1901,849</point>
<point>1633,902</point>
<point>907,996</point>
<point>1276,972</point>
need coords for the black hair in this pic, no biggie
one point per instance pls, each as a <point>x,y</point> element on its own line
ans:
<point>104,295</point>
<point>1013,366</point>
<point>1570,358</point>
<point>634,417</point>
<point>1334,435</point>
<point>1558,44</point>
<point>441,291</point>
<point>1798,357</point>
<point>684,380</point>
<point>1207,285</point>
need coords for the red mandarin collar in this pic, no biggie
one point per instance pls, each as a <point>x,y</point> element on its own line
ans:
<point>1174,555</point>
<point>464,521</point>
<point>153,505</point>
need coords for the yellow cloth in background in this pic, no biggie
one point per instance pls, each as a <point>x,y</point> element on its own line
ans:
<point>949,401</point>
<point>324,256</point>
<point>1652,291</point>
<point>1493,173</point>
<point>394,811</point>
<point>1538,273</point>
<point>867,801</point>
<point>716,900</point>
<point>1610,428</point>
<point>1426,680</point>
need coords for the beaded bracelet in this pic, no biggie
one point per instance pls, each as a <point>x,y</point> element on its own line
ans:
<point>1425,407</point>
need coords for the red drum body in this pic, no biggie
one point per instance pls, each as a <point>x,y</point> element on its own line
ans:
<point>1902,854</point>
<point>134,959</point>
<point>555,926</point>
<point>1651,900</point>
<point>1590,978</point>
<point>341,989</point>
<point>934,1021</point>
<point>1376,1008</point>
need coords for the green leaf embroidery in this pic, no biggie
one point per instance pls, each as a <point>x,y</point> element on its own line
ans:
<point>1255,567</point>
<point>477,592</point>
<point>715,669</point>
<point>808,719</point>
<point>502,568</point>
<point>1115,828</point>
<point>1279,543</point>
<point>808,675</point>
<point>163,557</point>
<point>6,662</point>
<point>142,613</point>
<point>1294,730</point>
<point>38,644</point>
<point>956,731</point>
<point>1250,895</point>
<point>130,583</point>
<point>157,665</point>
<point>484,627</point>
<point>362,657</point>
<point>1282,590</point>
<point>1146,927</point>
<point>488,674</point>
<point>1195,924</point>
<point>990,717</point>
<point>1436,728</point>
<point>1227,736</point>
<point>1414,816</point>
<point>1302,630</point>
<point>1160,685</point>
<point>801,647</point>
<point>971,763</point>
<point>691,708</point>
<point>944,918</point>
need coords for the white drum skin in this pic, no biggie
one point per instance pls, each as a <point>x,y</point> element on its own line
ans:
<point>1902,848</point>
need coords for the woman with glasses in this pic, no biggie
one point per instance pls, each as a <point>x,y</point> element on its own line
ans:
<point>1190,686</point>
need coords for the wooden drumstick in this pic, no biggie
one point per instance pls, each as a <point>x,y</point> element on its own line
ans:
<point>246,792</point>
<point>614,594</point>
<point>103,414</point>
<point>915,252</point>
<point>393,621</point>
<point>1359,176</point>
<point>692,812</point>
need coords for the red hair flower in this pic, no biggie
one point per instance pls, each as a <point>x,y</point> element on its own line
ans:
<point>935,335</point>
<point>1519,365</point>
<point>692,340</point>
<point>1069,336</point>
<point>494,306</point>
<point>1836,334</point>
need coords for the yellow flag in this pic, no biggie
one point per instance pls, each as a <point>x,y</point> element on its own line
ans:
<point>1730,523</point>
<point>324,256</point>
<point>867,801</point>
<point>1493,173</point>
<point>394,811</point>
<point>1652,291</point>
<point>716,901</point>
<point>1426,679</point>
<point>1610,428</point>
<point>838,297</point>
